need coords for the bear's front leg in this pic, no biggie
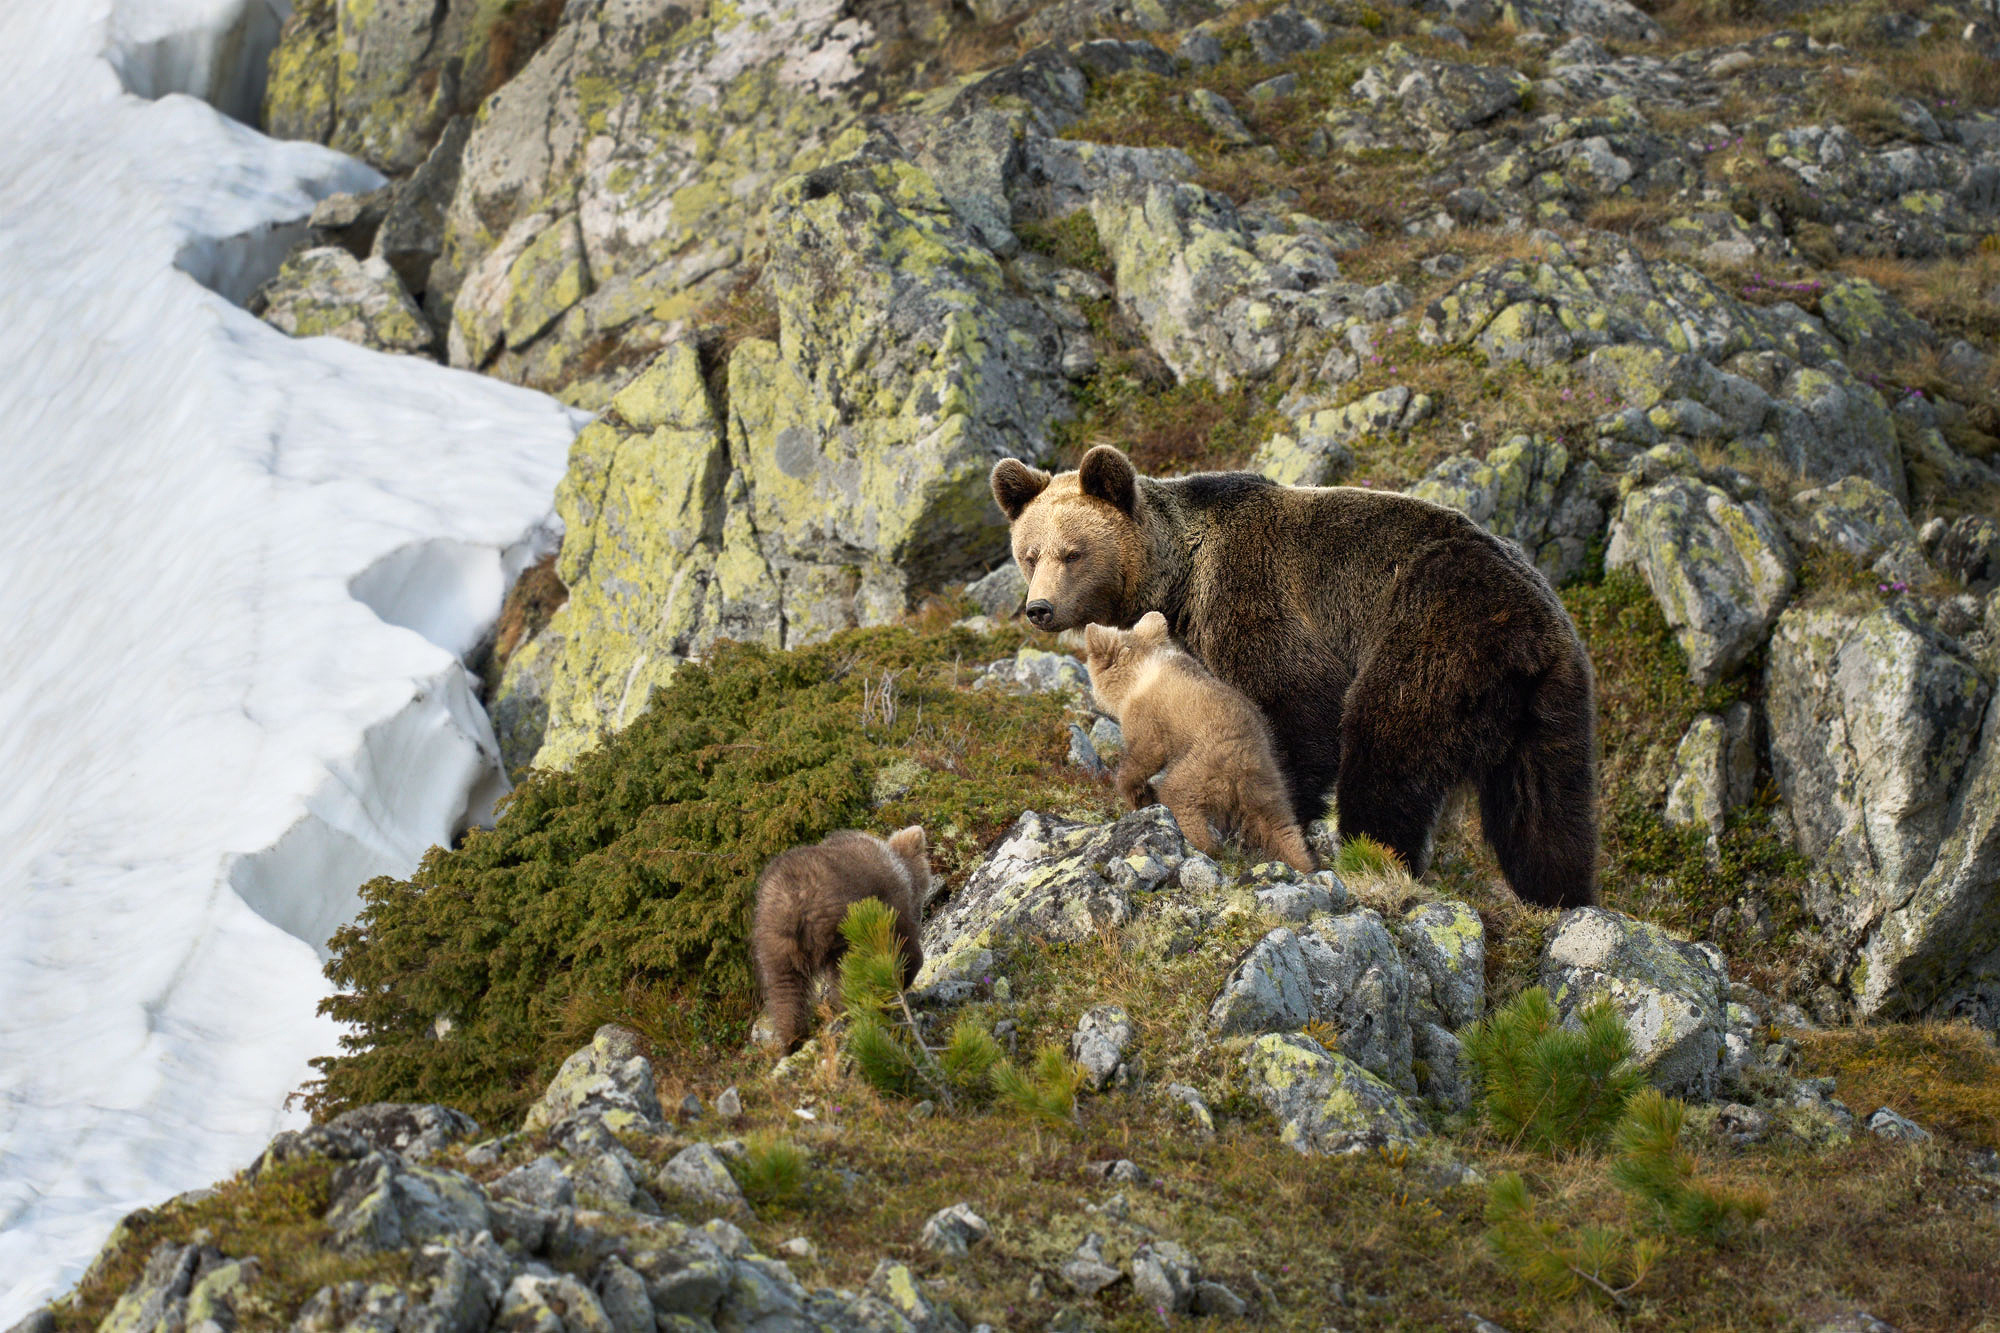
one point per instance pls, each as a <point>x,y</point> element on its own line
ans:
<point>1136,786</point>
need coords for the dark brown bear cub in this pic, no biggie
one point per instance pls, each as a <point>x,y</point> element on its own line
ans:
<point>803,895</point>
<point>1209,739</point>
<point>1397,650</point>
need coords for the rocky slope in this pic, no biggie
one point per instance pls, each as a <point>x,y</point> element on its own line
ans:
<point>1697,303</point>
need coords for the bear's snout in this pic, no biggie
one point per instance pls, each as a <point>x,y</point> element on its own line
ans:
<point>1041,613</point>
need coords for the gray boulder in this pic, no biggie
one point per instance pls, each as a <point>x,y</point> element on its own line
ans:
<point>1860,520</point>
<point>1164,1276</point>
<point>327,292</point>
<point>1596,18</point>
<point>381,1203</point>
<point>1444,944</point>
<point>1673,996</point>
<point>1054,880</point>
<point>1346,972</point>
<point>608,1080</point>
<point>1100,1041</point>
<point>698,1173</point>
<point>1531,491</point>
<point>1715,769</point>
<point>1719,568</point>
<point>1323,1101</point>
<point>954,1230</point>
<point>1885,746</point>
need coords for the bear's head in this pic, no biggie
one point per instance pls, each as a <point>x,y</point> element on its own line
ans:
<point>1076,538</point>
<point>1115,657</point>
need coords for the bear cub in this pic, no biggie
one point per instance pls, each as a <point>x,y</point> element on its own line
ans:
<point>1208,736</point>
<point>804,894</point>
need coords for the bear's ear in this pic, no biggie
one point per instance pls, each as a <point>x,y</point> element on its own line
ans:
<point>1100,640</point>
<point>1152,628</point>
<point>1015,484</point>
<point>1108,475</point>
<point>910,843</point>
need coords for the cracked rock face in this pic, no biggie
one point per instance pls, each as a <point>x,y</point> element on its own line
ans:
<point>1884,743</point>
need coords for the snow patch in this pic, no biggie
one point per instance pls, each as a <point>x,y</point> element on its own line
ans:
<point>210,742</point>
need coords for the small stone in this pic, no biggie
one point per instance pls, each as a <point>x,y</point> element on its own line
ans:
<point>729,1103</point>
<point>1212,1298</point>
<point>1163,1276</point>
<point>954,1230</point>
<point>1102,1037</point>
<point>1082,754</point>
<point>798,1247</point>
<point>1885,1123</point>
<point>1085,1270</point>
<point>1742,1124</point>
<point>698,1172</point>
<point>1198,874</point>
<point>1003,991</point>
<point>1220,117</point>
<point>1275,89</point>
<point>1121,1169</point>
<point>1106,739</point>
<point>1192,1107</point>
<point>691,1107</point>
<point>1201,49</point>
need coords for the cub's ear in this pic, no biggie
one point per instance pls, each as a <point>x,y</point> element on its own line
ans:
<point>910,843</point>
<point>1015,484</point>
<point>1108,475</point>
<point>1100,640</point>
<point>1152,628</point>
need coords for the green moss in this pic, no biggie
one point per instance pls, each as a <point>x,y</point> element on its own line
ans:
<point>622,890</point>
<point>1072,242</point>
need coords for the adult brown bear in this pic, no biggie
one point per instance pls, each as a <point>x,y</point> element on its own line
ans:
<point>1398,649</point>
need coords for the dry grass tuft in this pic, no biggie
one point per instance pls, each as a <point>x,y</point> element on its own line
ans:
<point>1944,1076</point>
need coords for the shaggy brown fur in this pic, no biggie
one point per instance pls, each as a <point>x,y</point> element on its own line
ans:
<point>1209,738</point>
<point>1397,649</point>
<point>803,895</point>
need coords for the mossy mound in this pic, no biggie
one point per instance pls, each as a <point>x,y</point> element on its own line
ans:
<point>622,889</point>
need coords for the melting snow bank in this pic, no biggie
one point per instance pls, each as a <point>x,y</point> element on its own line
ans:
<point>237,571</point>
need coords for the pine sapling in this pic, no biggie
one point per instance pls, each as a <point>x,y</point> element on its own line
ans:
<point>1606,1263</point>
<point>1545,1086</point>
<point>1651,1164</point>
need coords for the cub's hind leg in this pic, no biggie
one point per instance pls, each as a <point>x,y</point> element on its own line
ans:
<point>1186,799</point>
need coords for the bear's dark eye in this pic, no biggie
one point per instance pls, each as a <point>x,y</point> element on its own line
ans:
<point>1071,557</point>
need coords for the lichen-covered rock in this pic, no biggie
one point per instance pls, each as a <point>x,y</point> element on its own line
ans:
<point>327,292</point>
<point>1883,743</point>
<point>608,1080</point>
<point>1317,450</point>
<point>1859,519</point>
<point>647,142</point>
<point>381,80</point>
<point>1100,1041</point>
<point>1035,670</point>
<point>1194,277</point>
<point>1530,491</point>
<point>1672,996</point>
<point>551,1303</point>
<point>1597,18</point>
<point>181,1285</point>
<point>1715,769</point>
<point>1345,972</point>
<point>1054,880</point>
<point>1719,568</point>
<point>1324,1102</point>
<point>952,1231</point>
<point>382,1203</point>
<point>1444,945</point>
<point>1441,96</point>
<point>1164,1275</point>
<point>1444,1071</point>
<point>698,1173</point>
<point>1876,330</point>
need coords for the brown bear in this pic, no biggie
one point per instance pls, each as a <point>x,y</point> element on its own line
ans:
<point>804,894</point>
<point>1209,739</point>
<point>1397,649</point>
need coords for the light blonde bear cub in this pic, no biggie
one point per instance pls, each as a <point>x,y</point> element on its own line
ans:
<point>1210,739</point>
